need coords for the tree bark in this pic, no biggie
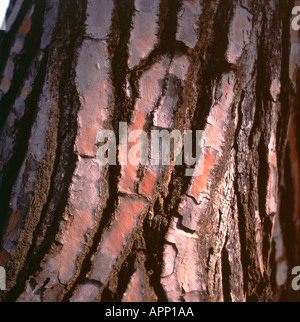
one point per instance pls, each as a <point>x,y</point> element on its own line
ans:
<point>73,230</point>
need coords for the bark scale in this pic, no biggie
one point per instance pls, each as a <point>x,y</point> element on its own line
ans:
<point>72,230</point>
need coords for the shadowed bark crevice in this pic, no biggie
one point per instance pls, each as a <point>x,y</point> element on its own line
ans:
<point>8,38</point>
<point>65,161</point>
<point>73,229</point>
<point>11,170</point>
<point>154,232</point>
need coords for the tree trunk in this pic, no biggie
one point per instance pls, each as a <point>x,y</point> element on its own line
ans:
<point>73,230</point>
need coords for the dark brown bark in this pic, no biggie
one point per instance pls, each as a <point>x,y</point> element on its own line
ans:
<point>72,230</point>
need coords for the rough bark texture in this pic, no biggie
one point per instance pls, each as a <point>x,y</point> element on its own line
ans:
<point>72,230</point>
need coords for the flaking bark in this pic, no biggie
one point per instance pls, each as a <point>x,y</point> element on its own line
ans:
<point>72,230</point>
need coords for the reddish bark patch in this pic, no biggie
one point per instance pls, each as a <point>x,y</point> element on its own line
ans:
<point>147,185</point>
<point>14,218</point>
<point>25,28</point>
<point>5,84</point>
<point>91,119</point>
<point>133,293</point>
<point>193,2</point>
<point>129,171</point>
<point>129,211</point>
<point>26,91</point>
<point>272,159</point>
<point>4,256</point>
<point>200,182</point>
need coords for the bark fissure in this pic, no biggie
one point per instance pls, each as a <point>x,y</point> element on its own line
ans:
<point>65,159</point>
<point>75,230</point>
<point>7,40</point>
<point>123,106</point>
<point>12,168</point>
<point>32,44</point>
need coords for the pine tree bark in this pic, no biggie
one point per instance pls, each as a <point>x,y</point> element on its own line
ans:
<point>72,230</point>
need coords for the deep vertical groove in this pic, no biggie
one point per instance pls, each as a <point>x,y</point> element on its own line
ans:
<point>105,221</point>
<point>226,272</point>
<point>66,159</point>
<point>287,96</point>
<point>119,38</point>
<point>23,60</point>
<point>67,129</point>
<point>118,47</point>
<point>11,170</point>
<point>144,246</point>
<point>154,232</point>
<point>8,38</point>
<point>207,72</point>
<point>262,182</point>
<point>169,30</point>
<point>123,279</point>
<point>287,212</point>
<point>241,210</point>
